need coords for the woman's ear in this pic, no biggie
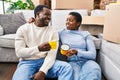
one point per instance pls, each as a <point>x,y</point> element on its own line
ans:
<point>78,24</point>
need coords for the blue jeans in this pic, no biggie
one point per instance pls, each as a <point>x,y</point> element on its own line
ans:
<point>86,70</point>
<point>27,68</point>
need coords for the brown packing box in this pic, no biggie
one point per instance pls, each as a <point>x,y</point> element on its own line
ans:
<point>72,4</point>
<point>93,20</point>
<point>118,0</point>
<point>93,24</point>
<point>111,30</point>
<point>112,1</point>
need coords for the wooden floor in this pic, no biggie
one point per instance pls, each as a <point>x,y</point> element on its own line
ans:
<point>7,70</point>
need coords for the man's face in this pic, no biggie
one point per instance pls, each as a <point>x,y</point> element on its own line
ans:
<point>44,17</point>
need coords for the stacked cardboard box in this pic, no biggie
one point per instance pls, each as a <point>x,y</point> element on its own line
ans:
<point>93,20</point>
<point>61,8</point>
<point>93,24</point>
<point>111,30</point>
<point>118,0</point>
<point>72,4</point>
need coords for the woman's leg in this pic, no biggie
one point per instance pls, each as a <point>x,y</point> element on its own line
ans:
<point>76,69</point>
<point>62,70</point>
<point>90,71</point>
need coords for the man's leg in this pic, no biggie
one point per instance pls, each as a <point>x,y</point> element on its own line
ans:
<point>90,71</point>
<point>62,70</point>
<point>26,69</point>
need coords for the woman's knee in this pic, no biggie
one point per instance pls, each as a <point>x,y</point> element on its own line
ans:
<point>63,64</point>
<point>92,65</point>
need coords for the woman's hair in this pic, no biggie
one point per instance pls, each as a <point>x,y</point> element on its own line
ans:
<point>38,9</point>
<point>77,16</point>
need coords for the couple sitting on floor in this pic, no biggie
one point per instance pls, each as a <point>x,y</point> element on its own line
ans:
<point>38,60</point>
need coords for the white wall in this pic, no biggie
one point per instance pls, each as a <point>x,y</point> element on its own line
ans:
<point>6,5</point>
<point>1,8</point>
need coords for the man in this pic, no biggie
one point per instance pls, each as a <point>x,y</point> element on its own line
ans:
<point>37,59</point>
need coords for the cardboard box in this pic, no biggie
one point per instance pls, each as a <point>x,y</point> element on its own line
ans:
<point>93,20</point>
<point>93,24</point>
<point>72,4</point>
<point>111,30</point>
<point>118,0</point>
<point>112,1</point>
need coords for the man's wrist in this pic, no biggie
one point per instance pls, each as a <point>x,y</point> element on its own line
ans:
<point>42,73</point>
<point>39,48</point>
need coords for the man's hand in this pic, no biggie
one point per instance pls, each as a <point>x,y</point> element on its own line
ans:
<point>71,52</point>
<point>44,47</point>
<point>39,76</point>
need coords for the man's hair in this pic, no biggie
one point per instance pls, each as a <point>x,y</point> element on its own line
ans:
<point>77,16</point>
<point>38,9</point>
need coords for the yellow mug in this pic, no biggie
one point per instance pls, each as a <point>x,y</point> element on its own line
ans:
<point>64,49</point>
<point>53,44</point>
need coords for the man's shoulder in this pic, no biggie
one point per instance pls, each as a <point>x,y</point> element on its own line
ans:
<point>51,28</point>
<point>24,26</point>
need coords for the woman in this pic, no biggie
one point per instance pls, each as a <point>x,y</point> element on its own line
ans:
<point>82,53</point>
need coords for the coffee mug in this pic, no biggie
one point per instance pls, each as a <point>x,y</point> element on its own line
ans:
<point>53,44</point>
<point>64,49</point>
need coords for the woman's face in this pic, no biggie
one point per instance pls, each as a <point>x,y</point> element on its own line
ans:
<point>71,23</point>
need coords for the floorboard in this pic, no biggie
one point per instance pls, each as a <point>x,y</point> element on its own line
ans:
<point>7,70</point>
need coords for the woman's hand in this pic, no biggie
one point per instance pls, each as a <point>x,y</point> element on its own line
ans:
<point>31,20</point>
<point>71,52</point>
<point>44,47</point>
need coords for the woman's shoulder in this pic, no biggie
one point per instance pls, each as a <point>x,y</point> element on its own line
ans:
<point>85,33</point>
<point>61,31</point>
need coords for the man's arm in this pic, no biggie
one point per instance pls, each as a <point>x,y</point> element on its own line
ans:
<point>51,56</point>
<point>22,51</point>
<point>49,60</point>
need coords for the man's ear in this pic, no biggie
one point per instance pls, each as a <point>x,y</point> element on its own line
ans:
<point>37,14</point>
